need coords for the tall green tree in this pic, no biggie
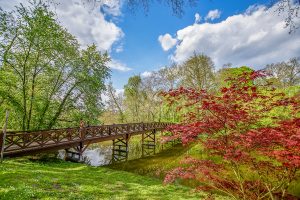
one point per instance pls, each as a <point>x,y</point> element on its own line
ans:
<point>198,72</point>
<point>165,79</point>
<point>224,74</point>
<point>115,102</point>
<point>134,98</point>
<point>46,79</point>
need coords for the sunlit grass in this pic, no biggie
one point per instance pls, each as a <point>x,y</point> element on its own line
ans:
<point>25,179</point>
<point>164,161</point>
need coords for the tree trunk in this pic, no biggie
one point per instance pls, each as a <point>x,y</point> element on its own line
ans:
<point>61,107</point>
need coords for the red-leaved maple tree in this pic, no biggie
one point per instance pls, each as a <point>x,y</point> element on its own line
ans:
<point>250,133</point>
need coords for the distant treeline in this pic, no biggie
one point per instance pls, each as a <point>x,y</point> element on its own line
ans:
<point>141,100</point>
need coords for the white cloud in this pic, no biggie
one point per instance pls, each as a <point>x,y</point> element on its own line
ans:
<point>166,41</point>
<point>146,74</point>
<point>117,65</point>
<point>197,18</point>
<point>119,49</point>
<point>105,97</point>
<point>84,20</point>
<point>9,5</point>
<point>213,14</point>
<point>119,91</point>
<point>112,7</point>
<point>254,38</point>
<point>254,8</point>
<point>89,25</point>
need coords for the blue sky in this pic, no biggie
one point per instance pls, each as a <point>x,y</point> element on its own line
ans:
<point>141,48</point>
<point>240,32</point>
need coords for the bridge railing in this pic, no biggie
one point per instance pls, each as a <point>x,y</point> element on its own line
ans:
<point>20,140</point>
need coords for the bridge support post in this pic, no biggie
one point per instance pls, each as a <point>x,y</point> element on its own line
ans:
<point>77,152</point>
<point>148,143</point>
<point>120,149</point>
<point>72,156</point>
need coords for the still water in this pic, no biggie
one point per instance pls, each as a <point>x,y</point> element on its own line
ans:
<point>101,153</point>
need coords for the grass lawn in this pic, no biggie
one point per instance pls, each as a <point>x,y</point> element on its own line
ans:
<point>158,165</point>
<point>25,179</point>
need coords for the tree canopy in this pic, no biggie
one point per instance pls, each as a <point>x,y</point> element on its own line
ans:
<point>47,80</point>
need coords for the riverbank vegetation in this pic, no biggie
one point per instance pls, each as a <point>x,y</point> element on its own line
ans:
<point>162,163</point>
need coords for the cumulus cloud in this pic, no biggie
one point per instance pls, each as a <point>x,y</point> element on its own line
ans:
<point>9,5</point>
<point>167,41</point>
<point>197,18</point>
<point>112,7</point>
<point>89,25</point>
<point>255,38</point>
<point>119,91</point>
<point>117,65</point>
<point>119,48</point>
<point>146,74</point>
<point>105,97</point>
<point>213,14</point>
<point>86,21</point>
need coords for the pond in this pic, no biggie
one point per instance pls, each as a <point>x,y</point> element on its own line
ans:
<point>101,153</point>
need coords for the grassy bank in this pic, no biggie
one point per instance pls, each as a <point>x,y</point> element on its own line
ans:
<point>25,179</point>
<point>156,165</point>
<point>161,163</point>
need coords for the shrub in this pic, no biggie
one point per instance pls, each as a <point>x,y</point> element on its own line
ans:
<point>251,133</point>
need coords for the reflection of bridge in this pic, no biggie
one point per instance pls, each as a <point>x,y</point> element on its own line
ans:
<point>19,143</point>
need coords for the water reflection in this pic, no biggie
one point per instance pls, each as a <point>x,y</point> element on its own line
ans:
<point>94,156</point>
<point>101,154</point>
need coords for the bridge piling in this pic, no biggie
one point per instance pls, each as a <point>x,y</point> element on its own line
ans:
<point>120,149</point>
<point>148,143</point>
<point>75,154</point>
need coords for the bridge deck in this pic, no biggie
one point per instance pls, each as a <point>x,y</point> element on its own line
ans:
<point>18,143</point>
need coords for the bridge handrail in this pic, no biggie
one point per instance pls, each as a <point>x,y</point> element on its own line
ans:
<point>77,127</point>
<point>22,140</point>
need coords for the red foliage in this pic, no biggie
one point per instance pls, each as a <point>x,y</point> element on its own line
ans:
<point>281,143</point>
<point>229,126</point>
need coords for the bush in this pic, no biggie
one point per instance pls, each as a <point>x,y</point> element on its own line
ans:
<point>249,130</point>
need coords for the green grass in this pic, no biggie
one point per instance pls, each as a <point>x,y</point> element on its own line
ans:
<point>25,179</point>
<point>54,179</point>
<point>161,163</point>
<point>157,165</point>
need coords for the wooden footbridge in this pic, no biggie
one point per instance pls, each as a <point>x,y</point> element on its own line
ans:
<point>76,140</point>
